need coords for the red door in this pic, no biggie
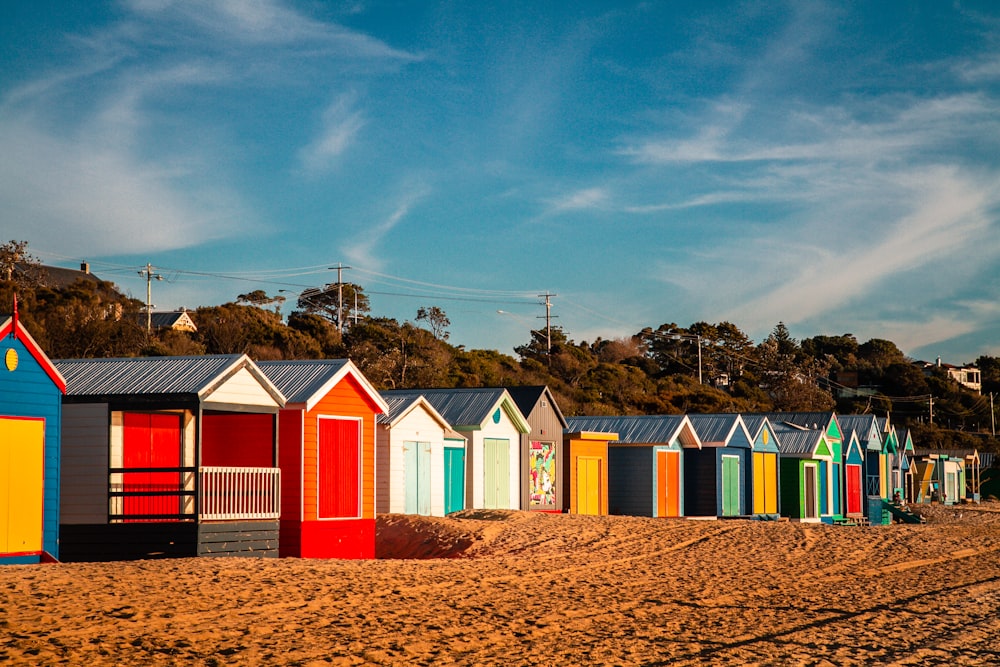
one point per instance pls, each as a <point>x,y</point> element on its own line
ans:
<point>339,474</point>
<point>853,489</point>
<point>151,441</point>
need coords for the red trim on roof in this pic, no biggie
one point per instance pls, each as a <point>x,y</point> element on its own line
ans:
<point>14,328</point>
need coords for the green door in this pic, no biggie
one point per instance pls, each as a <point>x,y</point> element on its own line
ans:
<point>496,473</point>
<point>454,479</point>
<point>730,486</point>
<point>417,465</point>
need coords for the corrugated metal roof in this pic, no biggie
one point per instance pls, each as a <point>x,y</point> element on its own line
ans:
<point>398,405</point>
<point>301,380</point>
<point>144,375</point>
<point>527,398</point>
<point>715,428</point>
<point>817,420</point>
<point>633,429</point>
<point>863,425</point>
<point>796,441</point>
<point>464,407</point>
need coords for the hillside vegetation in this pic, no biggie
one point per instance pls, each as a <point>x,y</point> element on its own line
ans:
<point>655,371</point>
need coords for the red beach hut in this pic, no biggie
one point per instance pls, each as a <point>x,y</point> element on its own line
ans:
<point>327,458</point>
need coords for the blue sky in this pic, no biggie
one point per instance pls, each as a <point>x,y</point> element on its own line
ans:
<point>835,166</point>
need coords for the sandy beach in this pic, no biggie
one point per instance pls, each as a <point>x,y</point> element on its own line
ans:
<point>515,588</point>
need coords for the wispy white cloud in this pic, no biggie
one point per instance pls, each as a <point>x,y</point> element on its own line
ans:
<point>77,197</point>
<point>260,22</point>
<point>587,198</point>
<point>340,124</point>
<point>105,156</point>
<point>363,252</point>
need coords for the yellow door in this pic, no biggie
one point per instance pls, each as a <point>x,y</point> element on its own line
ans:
<point>759,493</point>
<point>588,485</point>
<point>21,485</point>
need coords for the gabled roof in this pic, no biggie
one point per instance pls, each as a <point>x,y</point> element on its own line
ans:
<point>173,319</point>
<point>13,327</point>
<point>718,429</point>
<point>755,423</point>
<point>798,441</point>
<point>815,420</point>
<point>306,382</point>
<point>158,376</point>
<point>398,407</point>
<point>640,429</point>
<point>527,398</point>
<point>468,408</point>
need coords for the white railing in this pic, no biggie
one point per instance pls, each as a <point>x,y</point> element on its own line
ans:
<point>239,493</point>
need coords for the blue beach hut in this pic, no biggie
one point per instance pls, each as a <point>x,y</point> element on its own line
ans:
<point>31,390</point>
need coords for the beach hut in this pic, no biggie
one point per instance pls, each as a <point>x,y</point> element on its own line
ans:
<point>645,462</point>
<point>327,455</point>
<point>543,475</point>
<point>805,473</point>
<point>831,465</point>
<point>31,392</point>
<point>763,482</point>
<point>168,456</point>
<point>854,476</point>
<point>585,458</point>
<point>715,475</point>
<point>412,461</point>
<point>492,425</point>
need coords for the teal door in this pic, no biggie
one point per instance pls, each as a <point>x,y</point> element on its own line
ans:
<point>730,486</point>
<point>417,466</point>
<point>454,479</point>
<point>496,473</point>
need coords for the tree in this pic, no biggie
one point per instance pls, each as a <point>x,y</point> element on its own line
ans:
<point>436,319</point>
<point>260,299</point>
<point>19,266</point>
<point>337,302</point>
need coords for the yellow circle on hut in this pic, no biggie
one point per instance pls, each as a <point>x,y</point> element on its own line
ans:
<point>764,434</point>
<point>10,359</point>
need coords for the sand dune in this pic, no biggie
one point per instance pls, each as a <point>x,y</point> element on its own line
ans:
<point>513,588</point>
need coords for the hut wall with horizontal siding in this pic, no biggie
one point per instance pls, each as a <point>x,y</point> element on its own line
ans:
<point>346,399</point>
<point>417,426</point>
<point>701,486</point>
<point>630,480</point>
<point>28,391</point>
<point>85,457</point>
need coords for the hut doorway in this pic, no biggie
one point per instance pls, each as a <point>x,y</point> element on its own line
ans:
<point>417,468</point>
<point>496,473</point>
<point>22,455</point>
<point>811,508</point>
<point>730,486</point>
<point>588,485</point>
<point>454,479</point>
<point>668,483</point>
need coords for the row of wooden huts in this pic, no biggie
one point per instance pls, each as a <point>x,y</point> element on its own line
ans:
<point>107,459</point>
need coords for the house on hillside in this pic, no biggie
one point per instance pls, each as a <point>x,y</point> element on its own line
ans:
<point>31,390</point>
<point>969,376</point>
<point>492,424</point>
<point>169,456</point>
<point>327,457</point>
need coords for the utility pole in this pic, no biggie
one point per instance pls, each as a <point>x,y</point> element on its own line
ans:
<point>340,296</point>
<point>149,275</point>
<point>548,322</point>
<point>932,409</point>
<point>993,422</point>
